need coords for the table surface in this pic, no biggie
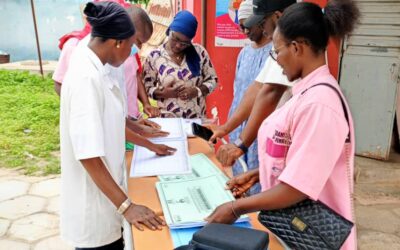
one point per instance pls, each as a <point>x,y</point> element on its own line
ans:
<point>142,191</point>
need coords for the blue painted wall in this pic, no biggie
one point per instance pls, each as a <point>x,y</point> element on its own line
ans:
<point>54,18</point>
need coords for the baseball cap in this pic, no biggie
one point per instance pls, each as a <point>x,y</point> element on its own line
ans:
<point>263,7</point>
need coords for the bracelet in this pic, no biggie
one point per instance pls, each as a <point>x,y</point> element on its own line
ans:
<point>132,118</point>
<point>124,206</point>
<point>159,88</point>
<point>199,93</point>
<point>233,211</point>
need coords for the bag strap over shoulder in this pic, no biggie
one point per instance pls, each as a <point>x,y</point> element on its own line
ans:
<point>346,113</point>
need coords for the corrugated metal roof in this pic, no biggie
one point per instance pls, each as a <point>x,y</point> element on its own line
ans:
<point>161,14</point>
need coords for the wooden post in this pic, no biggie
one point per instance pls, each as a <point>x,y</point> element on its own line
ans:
<point>37,38</point>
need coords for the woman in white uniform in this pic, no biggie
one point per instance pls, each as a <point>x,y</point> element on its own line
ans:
<point>92,130</point>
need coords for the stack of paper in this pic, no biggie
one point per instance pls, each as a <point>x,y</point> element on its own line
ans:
<point>174,126</point>
<point>187,200</point>
<point>147,163</point>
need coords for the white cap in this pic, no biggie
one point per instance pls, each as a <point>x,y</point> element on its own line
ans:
<point>245,9</point>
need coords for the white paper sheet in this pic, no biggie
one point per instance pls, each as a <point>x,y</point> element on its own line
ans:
<point>187,125</point>
<point>147,163</point>
<point>175,127</point>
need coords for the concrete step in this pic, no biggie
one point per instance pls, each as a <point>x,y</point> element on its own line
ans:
<point>374,171</point>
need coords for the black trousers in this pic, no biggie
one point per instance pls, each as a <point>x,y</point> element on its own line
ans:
<point>116,245</point>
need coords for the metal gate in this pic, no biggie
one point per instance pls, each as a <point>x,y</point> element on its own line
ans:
<point>369,75</point>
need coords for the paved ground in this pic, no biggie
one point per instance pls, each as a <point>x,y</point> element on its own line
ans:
<point>31,66</point>
<point>29,208</point>
<point>29,212</point>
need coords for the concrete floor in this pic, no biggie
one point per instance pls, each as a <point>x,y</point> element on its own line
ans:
<point>377,203</point>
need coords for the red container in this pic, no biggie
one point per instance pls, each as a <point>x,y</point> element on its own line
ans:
<point>4,58</point>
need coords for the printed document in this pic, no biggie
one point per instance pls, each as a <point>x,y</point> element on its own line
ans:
<point>201,165</point>
<point>186,203</point>
<point>147,163</point>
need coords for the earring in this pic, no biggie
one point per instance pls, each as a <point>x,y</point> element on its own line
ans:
<point>118,46</point>
<point>266,34</point>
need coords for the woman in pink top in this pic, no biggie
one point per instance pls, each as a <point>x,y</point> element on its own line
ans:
<point>302,146</point>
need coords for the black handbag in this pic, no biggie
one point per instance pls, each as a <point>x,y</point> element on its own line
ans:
<point>216,236</point>
<point>307,225</point>
<point>310,224</point>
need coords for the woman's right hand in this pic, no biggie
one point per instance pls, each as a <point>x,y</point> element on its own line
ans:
<point>168,91</point>
<point>240,184</point>
<point>162,150</point>
<point>218,133</point>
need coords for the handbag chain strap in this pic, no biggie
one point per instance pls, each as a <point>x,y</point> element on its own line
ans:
<point>347,142</point>
<point>351,188</point>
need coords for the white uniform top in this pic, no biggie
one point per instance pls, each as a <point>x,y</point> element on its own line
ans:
<point>117,73</point>
<point>92,124</point>
<point>273,73</point>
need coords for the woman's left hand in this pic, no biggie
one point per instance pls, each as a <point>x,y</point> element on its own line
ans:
<point>187,92</point>
<point>222,214</point>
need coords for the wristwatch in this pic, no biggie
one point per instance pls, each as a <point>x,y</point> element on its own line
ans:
<point>239,143</point>
<point>124,206</point>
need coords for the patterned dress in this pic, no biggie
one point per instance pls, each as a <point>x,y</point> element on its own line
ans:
<point>160,70</point>
<point>249,64</point>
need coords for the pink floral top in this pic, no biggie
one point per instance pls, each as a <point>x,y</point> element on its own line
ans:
<point>160,70</point>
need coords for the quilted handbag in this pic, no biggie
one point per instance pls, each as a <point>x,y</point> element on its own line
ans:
<point>307,225</point>
<point>310,224</point>
<point>216,236</point>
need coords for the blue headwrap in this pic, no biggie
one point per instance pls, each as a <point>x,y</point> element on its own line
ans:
<point>185,23</point>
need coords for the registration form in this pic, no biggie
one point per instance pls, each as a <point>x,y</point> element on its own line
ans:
<point>147,163</point>
<point>186,203</point>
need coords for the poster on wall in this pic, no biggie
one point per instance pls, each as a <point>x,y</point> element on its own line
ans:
<point>227,33</point>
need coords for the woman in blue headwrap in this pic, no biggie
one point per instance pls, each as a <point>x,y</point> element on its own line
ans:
<point>179,74</point>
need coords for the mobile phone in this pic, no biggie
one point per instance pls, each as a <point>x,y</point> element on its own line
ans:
<point>201,131</point>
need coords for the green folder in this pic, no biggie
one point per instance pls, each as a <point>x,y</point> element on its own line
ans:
<point>201,165</point>
<point>187,199</point>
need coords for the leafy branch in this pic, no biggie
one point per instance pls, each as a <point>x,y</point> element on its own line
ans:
<point>145,2</point>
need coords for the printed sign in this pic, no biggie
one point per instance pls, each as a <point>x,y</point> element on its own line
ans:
<point>227,33</point>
